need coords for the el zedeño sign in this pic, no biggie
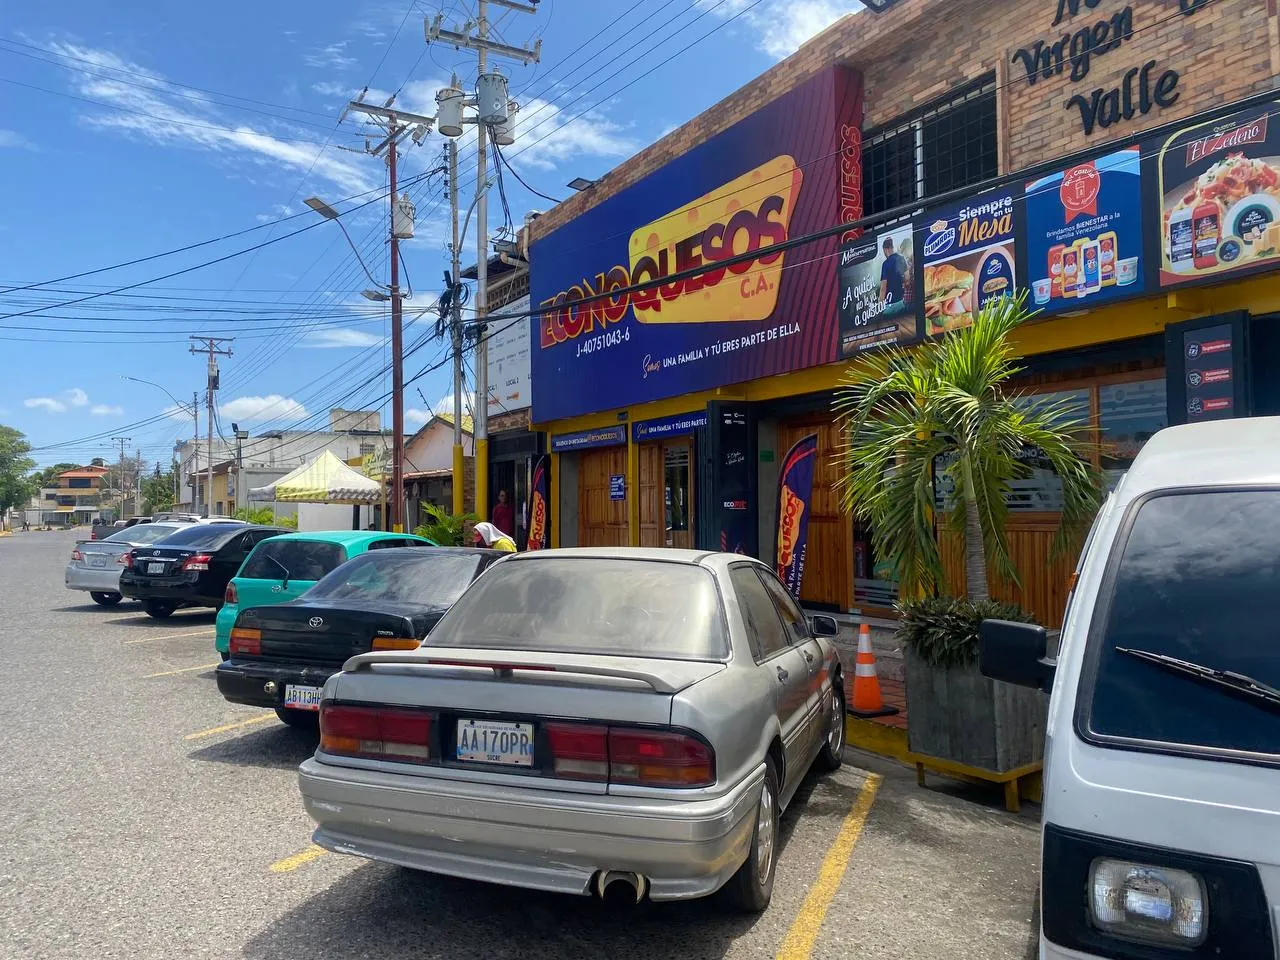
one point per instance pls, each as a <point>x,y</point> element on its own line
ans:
<point>1144,87</point>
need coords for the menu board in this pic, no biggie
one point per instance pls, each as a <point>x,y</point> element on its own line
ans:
<point>968,251</point>
<point>1219,196</point>
<point>1084,233</point>
<point>878,303</point>
<point>1208,365</point>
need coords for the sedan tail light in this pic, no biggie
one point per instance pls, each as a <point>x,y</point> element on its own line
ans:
<point>396,643</point>
<point>246,641</point>
<point>77,555</point>
<point>200,561</point>
<point>655,758</point>
<point>232,595</point>
<point>578,751</point>
<point>126,559</point>
<point>379,733</point>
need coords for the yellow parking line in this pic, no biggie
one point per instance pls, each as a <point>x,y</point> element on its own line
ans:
<point>170,673</point>
<point>298,859</point>
<point>174,636</point>
<point>229,726</point>
<point>804,929</point>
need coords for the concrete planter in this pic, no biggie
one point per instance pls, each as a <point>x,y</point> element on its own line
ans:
<point>959,715</point>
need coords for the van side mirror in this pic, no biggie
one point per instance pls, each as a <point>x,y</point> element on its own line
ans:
<point>824,626</point>
<point>1015,653</point>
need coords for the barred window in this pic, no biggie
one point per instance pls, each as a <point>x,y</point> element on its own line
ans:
<point>945,145</point>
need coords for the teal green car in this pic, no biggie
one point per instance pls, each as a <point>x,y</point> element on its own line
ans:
<point>287,566</point>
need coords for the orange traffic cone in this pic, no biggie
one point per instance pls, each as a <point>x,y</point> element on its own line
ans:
<point>867,701</point>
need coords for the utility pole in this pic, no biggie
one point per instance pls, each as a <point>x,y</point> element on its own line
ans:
<point>397,124</point>
<point>195,451</point>
<point>455,334</point>
<point>137,485</point>
<point>493,108</point>
<point>122,441</point>
<point>212,346</point>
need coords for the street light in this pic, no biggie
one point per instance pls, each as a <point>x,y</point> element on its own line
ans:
<point>581,183</point>
<point>377,296</point>
<point>193,409</point>
<point>326,211</point>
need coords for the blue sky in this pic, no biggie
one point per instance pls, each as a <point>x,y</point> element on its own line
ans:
<point>129,130</point>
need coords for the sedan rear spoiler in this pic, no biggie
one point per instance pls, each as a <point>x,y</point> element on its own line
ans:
<point>503,662</point>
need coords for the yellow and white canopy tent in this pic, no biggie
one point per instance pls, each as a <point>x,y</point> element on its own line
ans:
<point>325,480</point>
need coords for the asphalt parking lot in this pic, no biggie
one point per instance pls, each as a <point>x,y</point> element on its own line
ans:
<point>145,817</point>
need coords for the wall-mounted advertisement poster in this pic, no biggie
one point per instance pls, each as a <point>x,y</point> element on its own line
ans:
<point>1084,233</point>
<point>1219,189</point>
<point>878,303</point>
<point>968,251</point>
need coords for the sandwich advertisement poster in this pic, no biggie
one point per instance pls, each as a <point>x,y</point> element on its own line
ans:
<point>1084,233</point>
<point>1219,195</point>
<point>968,250</point>
<point>786,171</point>
<point>878,302</point>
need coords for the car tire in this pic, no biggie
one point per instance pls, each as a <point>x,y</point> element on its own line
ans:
<point>751,888</point>
<point>225,656</point>
<point>105,599</point>
<point>159,609</point>
<point>299,719</point>
<point>831,756</point>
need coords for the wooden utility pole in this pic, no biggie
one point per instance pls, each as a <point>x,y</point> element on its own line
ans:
<point>212,346</point>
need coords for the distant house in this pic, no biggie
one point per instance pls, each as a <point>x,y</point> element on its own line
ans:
<point>74,498</point>
<point>428,467</point>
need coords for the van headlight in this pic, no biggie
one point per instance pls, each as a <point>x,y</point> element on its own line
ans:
<point>1147,904</point>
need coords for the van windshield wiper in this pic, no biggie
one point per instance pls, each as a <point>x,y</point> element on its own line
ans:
<point>1239,684</point>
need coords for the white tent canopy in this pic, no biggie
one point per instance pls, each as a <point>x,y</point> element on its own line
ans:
<point>325,480</point>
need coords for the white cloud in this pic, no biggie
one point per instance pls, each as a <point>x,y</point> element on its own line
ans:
<point>14,140</point>
<point>445,404</point>
<point>781,26</point>
<point>103,410</point>
<point>177,413</point>
<point>278,211</point>
<point>416,417</point>
<point>330,88</point>
<point>263,408</point>
<point>48,404</point>
<point>173,120</point>
<point>331,57</point>
<point>77,397</point>
<point>341,337</point>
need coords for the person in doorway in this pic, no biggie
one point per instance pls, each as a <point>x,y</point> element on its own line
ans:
<point>893,275</point>
<point>504,514</point>
<point>487,535</point>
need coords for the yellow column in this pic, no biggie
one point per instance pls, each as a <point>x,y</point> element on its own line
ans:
<point>633,487</point>
<point>459,480</point>
<point>553,495</point>
<point>482,479</point>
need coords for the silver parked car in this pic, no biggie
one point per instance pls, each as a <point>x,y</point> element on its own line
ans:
<point>95,565</point>
<point>628,722</point>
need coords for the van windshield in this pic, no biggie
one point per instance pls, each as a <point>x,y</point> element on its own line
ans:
<point>1198,581</point>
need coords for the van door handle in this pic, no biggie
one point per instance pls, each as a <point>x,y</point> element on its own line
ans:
<point>782,673</point>
<point>808,656</point>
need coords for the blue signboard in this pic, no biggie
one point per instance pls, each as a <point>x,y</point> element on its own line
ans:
<point>586,439</point>
<point>617,486</point>
<point>675,426</point>
<point>1084,233</point>
<point>769,178</point>
<point>968,251</point>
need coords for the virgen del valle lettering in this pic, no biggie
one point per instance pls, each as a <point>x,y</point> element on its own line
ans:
<point>1143,87</point>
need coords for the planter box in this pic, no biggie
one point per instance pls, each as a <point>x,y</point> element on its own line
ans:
<point>960,715</point>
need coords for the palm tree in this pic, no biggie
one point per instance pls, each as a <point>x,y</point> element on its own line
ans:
<point>945,406</point>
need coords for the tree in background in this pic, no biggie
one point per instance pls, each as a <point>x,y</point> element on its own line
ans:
<point>16,486</point>
<point>48,477</point>
<point>157,489</point>
<point>947,406</point>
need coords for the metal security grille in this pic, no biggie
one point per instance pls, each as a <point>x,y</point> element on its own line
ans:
<point>943,146</point>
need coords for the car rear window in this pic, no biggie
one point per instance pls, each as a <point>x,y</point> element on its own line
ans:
<point>144,533</point>
<point>303,559</point>
<point>1198,580</point>
<point>402,576</point>
<point>202,535</point>
<point>630,608</point>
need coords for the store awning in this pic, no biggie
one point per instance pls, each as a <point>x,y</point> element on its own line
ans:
<point>325,480</point>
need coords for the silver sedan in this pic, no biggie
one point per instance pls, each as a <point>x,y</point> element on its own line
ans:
<point>623,722</point>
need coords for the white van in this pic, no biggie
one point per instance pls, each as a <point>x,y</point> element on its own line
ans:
<point>1161,820</point>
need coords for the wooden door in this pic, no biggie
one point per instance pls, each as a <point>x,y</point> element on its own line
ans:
<point>601,522</point>
<point>653,527</point>
<point>828,570</point>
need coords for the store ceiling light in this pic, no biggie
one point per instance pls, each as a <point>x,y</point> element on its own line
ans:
<point>581,183</point>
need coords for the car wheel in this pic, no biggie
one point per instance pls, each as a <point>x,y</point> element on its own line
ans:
<point>159,609</point>
<point>299,719</point>
<point>751,887</point>
<point>105,599</point>
<point>831,756</point>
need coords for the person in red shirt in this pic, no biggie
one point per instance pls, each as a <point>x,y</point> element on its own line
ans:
<point>504,515</point>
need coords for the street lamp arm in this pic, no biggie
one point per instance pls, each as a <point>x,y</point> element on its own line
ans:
<point>359,258</point>
<point>184,407</point>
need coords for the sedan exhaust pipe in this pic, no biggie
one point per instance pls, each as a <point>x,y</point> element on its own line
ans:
<point>620,888</point>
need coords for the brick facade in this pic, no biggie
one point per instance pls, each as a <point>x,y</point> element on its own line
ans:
<point>921,49</point>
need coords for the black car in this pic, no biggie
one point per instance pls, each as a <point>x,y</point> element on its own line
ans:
<point>281,655</point>
<point>191,567</point>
